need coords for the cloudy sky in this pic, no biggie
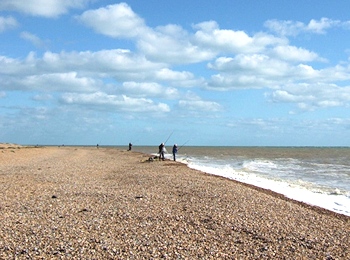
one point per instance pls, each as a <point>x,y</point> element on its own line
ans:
<point>225,72</point>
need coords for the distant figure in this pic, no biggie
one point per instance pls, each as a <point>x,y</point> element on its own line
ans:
<point>161,151</point>
<point>175,149</point>
<point>97,146</point>
<point>130,146</point>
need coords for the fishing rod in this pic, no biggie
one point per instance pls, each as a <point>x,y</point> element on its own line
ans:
<point>183,145</point>
<point>168,137</point>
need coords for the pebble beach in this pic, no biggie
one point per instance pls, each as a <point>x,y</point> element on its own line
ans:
<point>106,203</point>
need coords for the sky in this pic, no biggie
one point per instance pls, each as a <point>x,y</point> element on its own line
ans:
<point>224,72</point>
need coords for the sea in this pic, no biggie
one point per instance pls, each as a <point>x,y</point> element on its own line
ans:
<point>318,176</point>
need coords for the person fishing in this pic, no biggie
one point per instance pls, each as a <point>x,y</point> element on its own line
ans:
<point>175,149</point>
<point>161,151</point>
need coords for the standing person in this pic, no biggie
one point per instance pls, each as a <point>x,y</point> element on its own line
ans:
<point>161,151</point>
<point>130,146</point>
<point>175,149</point>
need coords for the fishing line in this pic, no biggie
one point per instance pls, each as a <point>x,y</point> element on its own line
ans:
<point>168,137</point>
<point>183,145</point>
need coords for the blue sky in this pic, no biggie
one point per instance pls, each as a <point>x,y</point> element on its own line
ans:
<point>245,73</point>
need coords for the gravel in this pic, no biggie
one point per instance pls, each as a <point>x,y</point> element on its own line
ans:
<point>89,203</point>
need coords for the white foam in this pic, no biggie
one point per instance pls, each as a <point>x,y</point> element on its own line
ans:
<point>331,201</point>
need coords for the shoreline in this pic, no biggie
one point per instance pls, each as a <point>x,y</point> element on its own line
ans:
<point>299,199</point>
<point>283,197</point>
<point>107,203</point>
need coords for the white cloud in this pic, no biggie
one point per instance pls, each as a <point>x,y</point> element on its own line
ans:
<point>209,35</point>
<point>46,8</point>
<point>119,64</point>
<point>7,23</point>
<point>114,103</point>
<point>292,53</point>
<point>191,102</point>
<point>259,60</point>
<point>255,63</point>
<point>91,74</point>
<point>285,96</point>
<point>172,44</point>
<point>168,43</point>
<point>114,20</point>
<point>313,96</point>
<point>200,105</point>
<point>54,82</point>
<point>178,78</point>
<point>293,28</point>
<point>264,70</point>
<point>320,26</point>
<point>225,82</point>
<point>16,67</point>
<point>35,40</point>
<point>248,71</point>
<point>149,90</point>
<point>167,74</point>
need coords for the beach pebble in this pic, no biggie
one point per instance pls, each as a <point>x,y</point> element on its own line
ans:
<point>114,206</point>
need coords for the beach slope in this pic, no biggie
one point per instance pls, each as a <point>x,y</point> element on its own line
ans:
<point>89,203</point>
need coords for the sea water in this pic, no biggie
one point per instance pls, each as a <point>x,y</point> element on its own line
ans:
<point>315,175</point>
